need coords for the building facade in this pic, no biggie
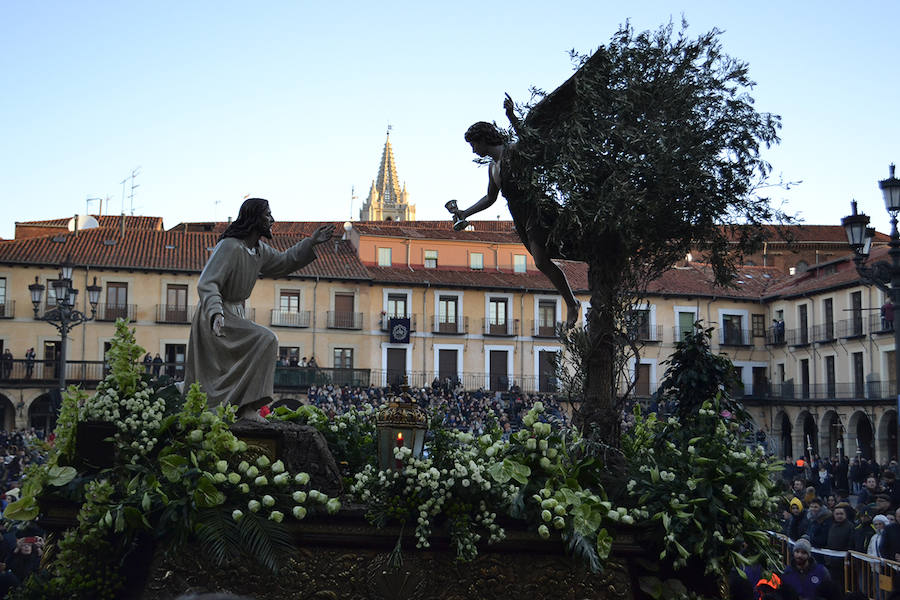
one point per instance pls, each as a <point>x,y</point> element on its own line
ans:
<point>812,349</point>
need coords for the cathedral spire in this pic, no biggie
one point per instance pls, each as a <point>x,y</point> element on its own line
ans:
<point>387,200</point>
<point>387,183</point>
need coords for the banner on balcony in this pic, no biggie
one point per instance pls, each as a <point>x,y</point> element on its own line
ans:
<point>399,328</point>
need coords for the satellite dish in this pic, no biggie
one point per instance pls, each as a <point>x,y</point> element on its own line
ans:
<point>82,222</point>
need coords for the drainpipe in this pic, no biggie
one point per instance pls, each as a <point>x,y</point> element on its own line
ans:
<point>522,340</point>
<point>425,324</point>
<point>315,287</point>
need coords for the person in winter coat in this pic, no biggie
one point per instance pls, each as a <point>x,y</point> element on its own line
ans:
<point>878,524</point>
<point>804,574</point>
<point>819,523</point>
<point>797,525</point>
<point>863,532</point>
<point>839,538</point>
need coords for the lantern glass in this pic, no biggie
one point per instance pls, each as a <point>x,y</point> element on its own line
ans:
<point>867,242</point>
<point>855,226</point>
<point>94,294</point>
<point>37,292</point>
<point>73,297</point>
<point>400,424</point>
<point>890,187</point>
<point>61,286</point>
<point>66,270</point>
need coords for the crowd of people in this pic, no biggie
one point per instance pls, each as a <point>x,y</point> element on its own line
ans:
<point>469,411</point>
<point>833,505</point>
<point>20,548</point>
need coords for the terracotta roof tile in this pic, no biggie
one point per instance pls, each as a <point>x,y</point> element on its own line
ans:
<point>161,251</point>
<point>104,221</point>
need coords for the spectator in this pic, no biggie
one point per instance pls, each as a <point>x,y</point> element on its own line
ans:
<point>887,316</point>
<point>890,541</point>
<point>823,480</point>
<point>29,363</point>
<point>869,491</point>
<point>840,538</point>
<point>804,574</point>
<point>863,531</point>
<point>148,362</point>
<point>157,364</point>
<point>6,364</point>
<point>819,523</point>
<point>874,546</point>
<point>796,524</point>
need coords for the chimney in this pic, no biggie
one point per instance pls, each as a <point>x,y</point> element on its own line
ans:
<point>123,225</point>
<point>75,224</point>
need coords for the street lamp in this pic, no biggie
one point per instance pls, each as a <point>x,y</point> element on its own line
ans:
<point>63,315</point>
<point>883,274</point>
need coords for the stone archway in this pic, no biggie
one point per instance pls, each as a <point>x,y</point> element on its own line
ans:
<point>7,413</point>
<point>807,434</point>
<point>830,430</point>
<point>42,412</point>
<point>782,435</point>
<point>886,436</point>
<point>861,435</point>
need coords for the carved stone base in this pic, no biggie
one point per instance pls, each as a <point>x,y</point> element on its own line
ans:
<point>300,447</point>
<point>343,558</point>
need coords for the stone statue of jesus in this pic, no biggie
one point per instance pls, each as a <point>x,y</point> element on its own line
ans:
<point>232,357</point>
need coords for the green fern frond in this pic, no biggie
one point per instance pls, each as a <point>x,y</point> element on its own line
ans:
<point>583,551</point>
<point>264,540</point>
<point>219,536</point>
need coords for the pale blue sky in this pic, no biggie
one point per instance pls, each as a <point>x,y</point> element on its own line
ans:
<point>291,100</point>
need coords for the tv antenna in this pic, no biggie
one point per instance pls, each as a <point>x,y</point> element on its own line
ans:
<point>134,173</point>
<point>87,205</point>
<point>353,197</point>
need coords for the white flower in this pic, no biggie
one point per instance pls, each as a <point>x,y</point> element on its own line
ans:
<point>260,481</point>
<point>301,478</point>
<point>299,497</point>
<point>234,478</point>
<point>252,472</point>
<point>244,488</point>
<point>276,515</point>
<point>237,515</point>
<point>253,505</point>
<point>222,466</point>
<point>277,466</point>
<point>546,515</point>
<point>299,512</point>
<point>544,532</point>
<point>333,505</point>
<point>263,461</point>
<point>268,500</point>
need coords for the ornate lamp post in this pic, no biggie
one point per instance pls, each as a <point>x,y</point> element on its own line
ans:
<point>884,275</point>
<point>64,316</point>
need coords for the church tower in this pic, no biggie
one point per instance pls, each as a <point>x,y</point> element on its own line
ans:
<point>386,200</point>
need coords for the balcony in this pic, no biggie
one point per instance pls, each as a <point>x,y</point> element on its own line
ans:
<point>644,332</point>
<point>882,391</point>
<point>851,328</point>
<point>450,327</point>
<point>509,328</point>
<point>878,326</point>
<point>775,336</point>
<point>344,320</point>
<point>294,378</point>
<point>730,336</point>
<point>8,309</point>
<point>112,312</point>
<point>823,333</point>
<point>290,318</point>
<point>175,314</point>
<point>797,337</point>
<point>385,321</point>
<point>543,329</point>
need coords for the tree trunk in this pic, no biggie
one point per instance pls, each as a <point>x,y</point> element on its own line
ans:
<point>600,414</point>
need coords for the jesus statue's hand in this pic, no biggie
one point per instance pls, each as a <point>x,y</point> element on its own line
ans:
<point>218,325</point>
<point>322,234</point>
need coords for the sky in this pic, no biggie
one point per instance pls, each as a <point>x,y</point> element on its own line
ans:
<point>291,101</point>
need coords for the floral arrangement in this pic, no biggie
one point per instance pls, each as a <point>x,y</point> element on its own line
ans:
<point>179,474</point>
<point>453,481</point>
<point>698,482</point>
<point>350,435</point>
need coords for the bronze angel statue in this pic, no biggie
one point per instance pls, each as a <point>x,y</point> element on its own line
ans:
<point>512,172</point>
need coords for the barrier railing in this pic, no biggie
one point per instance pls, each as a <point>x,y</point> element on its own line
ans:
<point>871,575</point>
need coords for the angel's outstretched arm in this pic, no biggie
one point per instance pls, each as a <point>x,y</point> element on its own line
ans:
<point>485,202</point>
<point>510,107</point>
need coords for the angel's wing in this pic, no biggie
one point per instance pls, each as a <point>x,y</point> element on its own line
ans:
<point>558,104</point>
